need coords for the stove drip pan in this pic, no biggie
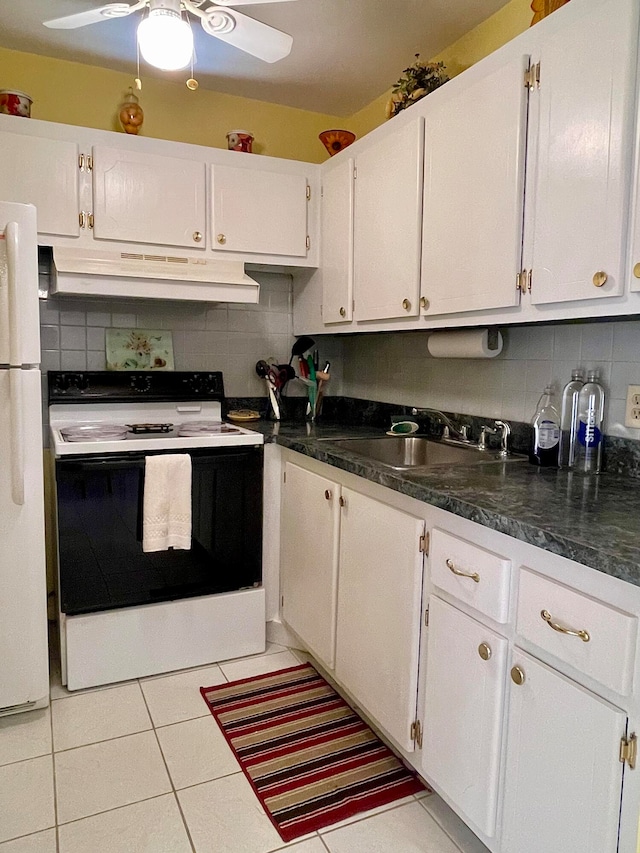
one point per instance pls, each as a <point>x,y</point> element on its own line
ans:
<point>196,428</point>
<point>94,432</point>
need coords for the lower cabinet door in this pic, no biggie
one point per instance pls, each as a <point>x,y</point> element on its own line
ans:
<point>379,608</point>
<point>563,776</point>
<point>463,712</point>
<point>309,555</point>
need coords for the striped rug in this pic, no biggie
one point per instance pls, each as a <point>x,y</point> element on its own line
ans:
<point>308,756</point>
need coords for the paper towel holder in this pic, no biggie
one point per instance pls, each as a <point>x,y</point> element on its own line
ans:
<point>465,343</point>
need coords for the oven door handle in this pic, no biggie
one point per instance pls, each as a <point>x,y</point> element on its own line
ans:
<point>16,439</point>
<point>106,464</point>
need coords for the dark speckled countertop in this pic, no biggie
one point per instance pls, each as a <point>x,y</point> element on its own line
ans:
<point>592,520</point>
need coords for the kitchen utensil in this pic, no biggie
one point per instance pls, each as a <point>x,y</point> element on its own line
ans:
<point>264,372</point>
<point>322,377</point>
<point>301,346</point>
<point>312,389</point>
<point>304,367</point>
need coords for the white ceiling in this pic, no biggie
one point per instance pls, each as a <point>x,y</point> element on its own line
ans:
<point>345,52</point>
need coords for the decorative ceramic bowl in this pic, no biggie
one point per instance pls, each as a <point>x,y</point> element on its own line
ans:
<point>15,103</point>
<point>336,140</point>
<point>240,140</point>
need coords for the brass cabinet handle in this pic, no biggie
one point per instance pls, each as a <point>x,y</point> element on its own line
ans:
<point>636,270</point>
<point>484,650</point>
<point>90,220</point>
<point>424,302</point>
<point>600,278</point>
<point>473,575</point>
<point>406,304</point>
<point>342,501</point>
<point>343,312</point>
<point>517,676</point>
<point>327,495</point>
<point>221,238</point>
<point>82,219</point>
<point>548,618</point>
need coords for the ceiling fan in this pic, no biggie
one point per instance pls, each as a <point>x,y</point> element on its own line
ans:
<point>165,36</point>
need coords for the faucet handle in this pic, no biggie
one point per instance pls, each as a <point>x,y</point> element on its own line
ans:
<point>484,432</point>
<point>505,432</point>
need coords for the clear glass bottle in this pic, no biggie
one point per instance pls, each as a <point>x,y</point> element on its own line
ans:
<point>590,426</point>
<point>546,431</point>
<point>569,420</point>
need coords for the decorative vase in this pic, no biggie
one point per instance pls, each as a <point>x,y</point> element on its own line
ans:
<point>336,140</point>
<point>131,115</point>
<point>15,103</point>
<point>542,8</point>
<point>240,140</point>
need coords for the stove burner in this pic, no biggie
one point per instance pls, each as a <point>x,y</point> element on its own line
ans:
<point>94,432</point>
<point>196,428</point>
<point>143,429</point>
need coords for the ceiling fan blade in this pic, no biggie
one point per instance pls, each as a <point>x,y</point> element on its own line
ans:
<point>249,35</point>
<point>92,16</point>
<point>247,2</point>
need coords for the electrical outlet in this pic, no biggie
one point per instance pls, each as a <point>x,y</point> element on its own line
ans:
<point>632,412</point>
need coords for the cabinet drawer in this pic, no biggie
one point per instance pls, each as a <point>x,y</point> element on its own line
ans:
<point>478,577</point>
<point>603,641</point>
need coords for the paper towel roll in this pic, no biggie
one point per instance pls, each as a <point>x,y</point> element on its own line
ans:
<point>472,343</point>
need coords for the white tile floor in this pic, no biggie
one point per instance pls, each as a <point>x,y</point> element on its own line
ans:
<point>141,767</point>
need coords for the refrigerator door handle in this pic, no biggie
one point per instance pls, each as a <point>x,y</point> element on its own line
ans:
<point>17,436</point>
<point>12,235</point>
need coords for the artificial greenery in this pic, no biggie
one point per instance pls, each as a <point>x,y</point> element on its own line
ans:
<point>417,81</point>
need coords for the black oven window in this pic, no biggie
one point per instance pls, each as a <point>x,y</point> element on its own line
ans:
<point>102,564</point>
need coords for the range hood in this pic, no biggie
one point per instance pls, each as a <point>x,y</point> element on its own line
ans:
<point>93,272</point>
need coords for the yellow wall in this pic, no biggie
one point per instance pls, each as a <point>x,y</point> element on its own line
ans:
<point>509,22</point>
<point>87,95</point>
<point>71,93</point>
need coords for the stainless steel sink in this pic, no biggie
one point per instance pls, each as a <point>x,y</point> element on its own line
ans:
<point>404,452</point>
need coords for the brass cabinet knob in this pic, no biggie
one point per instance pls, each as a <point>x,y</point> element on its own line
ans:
<point>424,302</point>
<point>343,312</point>
<point>636,270</point>
<point>600,278</point>
<point>484,650</point>
<point>327,495</point>
<point>406,304</point>
<point>517,675</point>
<point>221,238</point>
<point>197,236</point>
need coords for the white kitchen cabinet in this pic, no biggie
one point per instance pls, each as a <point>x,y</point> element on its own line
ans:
<point>387,228</point>
<point>45,173</point>
<point>309,559</point>
<point>379,611</point>
<point>259,211</point>
<point>336,249</point>
<point>563,778</point>
<point>582,111</point>
<point>145,198</point>
<point>464,706</point>
<point>474,193</point>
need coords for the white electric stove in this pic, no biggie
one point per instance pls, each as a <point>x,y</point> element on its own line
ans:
<point>126,613</point>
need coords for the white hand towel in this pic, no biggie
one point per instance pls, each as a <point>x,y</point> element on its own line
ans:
<point>166,513</point>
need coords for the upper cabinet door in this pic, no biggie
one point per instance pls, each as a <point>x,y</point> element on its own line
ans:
<point>336,252</point>
<point>259,212</point>
<point>585,95</point>
<point>474,194</point>
<point>145,198</point>
<point>43,172</point>
<point>387,231</point>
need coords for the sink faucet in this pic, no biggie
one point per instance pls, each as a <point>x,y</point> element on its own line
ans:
<point>450,429</point>
<point>500,427</point>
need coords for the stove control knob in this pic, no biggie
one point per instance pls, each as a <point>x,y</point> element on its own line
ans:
<point>61,383</point>
<point>141,382</point>
<point>81,382</point>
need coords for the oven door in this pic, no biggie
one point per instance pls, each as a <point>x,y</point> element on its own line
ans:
<point>101,561</point>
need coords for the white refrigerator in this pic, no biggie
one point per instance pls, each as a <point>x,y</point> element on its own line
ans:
<point>24,668</point>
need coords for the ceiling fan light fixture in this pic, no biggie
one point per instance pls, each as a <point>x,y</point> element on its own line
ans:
<point>165,39</point>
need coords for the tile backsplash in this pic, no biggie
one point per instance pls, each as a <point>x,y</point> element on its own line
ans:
<point>230,338</point>
<point>396,368</point>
